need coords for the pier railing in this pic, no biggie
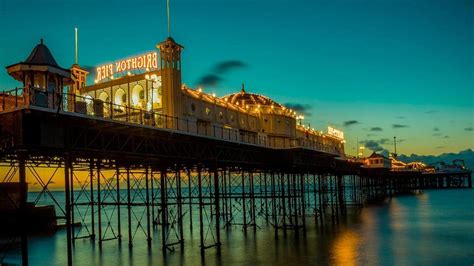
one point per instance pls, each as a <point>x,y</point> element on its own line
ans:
<point>98,109</point>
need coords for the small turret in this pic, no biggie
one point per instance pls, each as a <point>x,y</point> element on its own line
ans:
<point>42,77</point>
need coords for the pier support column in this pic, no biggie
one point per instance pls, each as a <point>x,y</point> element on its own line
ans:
<point>68,188</point>
<point>99,204</point>
<point>92,203</point>
<point>23,206</point>
<point>180,203</point>
<point>129,210</point>
<point>147,198</point>
<point>119,224</point>
<point>201,206</point>
<point>217,207</point>
<point>244,203</point>
<point>164,210</point>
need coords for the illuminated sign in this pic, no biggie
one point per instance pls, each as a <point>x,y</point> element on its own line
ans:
<point>336,133</point>
<point>146,61</point>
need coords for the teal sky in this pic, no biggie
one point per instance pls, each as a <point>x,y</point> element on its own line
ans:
<point>372,64</point>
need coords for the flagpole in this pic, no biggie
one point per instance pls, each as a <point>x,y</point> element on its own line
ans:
<point>75,44</point>
<point>168,13</point>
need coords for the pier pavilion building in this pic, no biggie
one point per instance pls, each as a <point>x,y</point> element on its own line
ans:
<point>148,90</point>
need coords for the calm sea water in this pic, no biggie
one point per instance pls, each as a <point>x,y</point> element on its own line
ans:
<point>434,228</point>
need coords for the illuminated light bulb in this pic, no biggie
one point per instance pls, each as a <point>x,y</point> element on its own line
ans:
<point>213,95</point>
<point>147,69</point>
<point>112,77</point>
<point>147,76</point>
<point>199,90</point>
<point>247,106</point>
<point>129,73</point>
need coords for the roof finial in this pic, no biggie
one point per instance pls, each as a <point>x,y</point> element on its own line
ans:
<point>41,41</point>
<point>243,88</point>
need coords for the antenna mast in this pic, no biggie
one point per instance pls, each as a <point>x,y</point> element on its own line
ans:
<point>168,14</point>
<point>75,44</point>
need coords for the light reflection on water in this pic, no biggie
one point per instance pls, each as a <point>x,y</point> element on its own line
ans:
<point>435,228</point>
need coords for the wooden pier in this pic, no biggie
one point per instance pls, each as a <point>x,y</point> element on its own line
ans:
<point>159,177</point>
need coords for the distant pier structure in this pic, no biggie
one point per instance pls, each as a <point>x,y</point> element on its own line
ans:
<point>139,144</point>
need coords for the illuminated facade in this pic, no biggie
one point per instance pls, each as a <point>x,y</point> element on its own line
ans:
<point>147,89</point>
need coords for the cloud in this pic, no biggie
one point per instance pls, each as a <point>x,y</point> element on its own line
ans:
<point>226,66</point>
<point>400,117</point>
<point>439,134</point>
<point>446,137</point>
<point>430,112</point>
<point>435,129</point>
<point>439,147</point>
<point>401,140</point>
<point>210,80</point>
<point>351,123</point>
<point>300,108</point>
<point>469,129</point>
<point>370,135</point>
<point>395,126</point>
<point>373,146</point>
<point>215,76</point>
<point>376,129</point>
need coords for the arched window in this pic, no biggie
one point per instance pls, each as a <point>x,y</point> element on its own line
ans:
<point>104,96</point>
<point>120,97</point>
<point>89,104</point>
<point>138,95</point>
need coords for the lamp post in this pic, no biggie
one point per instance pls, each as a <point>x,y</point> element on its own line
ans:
<point>300,118</point>
<point>361,151</point>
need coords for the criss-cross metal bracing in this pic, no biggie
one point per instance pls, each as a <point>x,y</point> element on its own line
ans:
<point>132,183</point>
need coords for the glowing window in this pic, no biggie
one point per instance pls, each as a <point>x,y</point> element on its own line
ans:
<point>138,94</point>
<point>120,97</point>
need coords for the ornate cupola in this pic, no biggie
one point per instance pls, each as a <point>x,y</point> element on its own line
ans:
<point>43,79</point>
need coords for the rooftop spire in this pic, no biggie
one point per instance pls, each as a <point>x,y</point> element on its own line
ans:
<point>243,88</point>
<point>41,41</point>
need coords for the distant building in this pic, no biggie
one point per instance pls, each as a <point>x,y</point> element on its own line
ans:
<point>377,161</point>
